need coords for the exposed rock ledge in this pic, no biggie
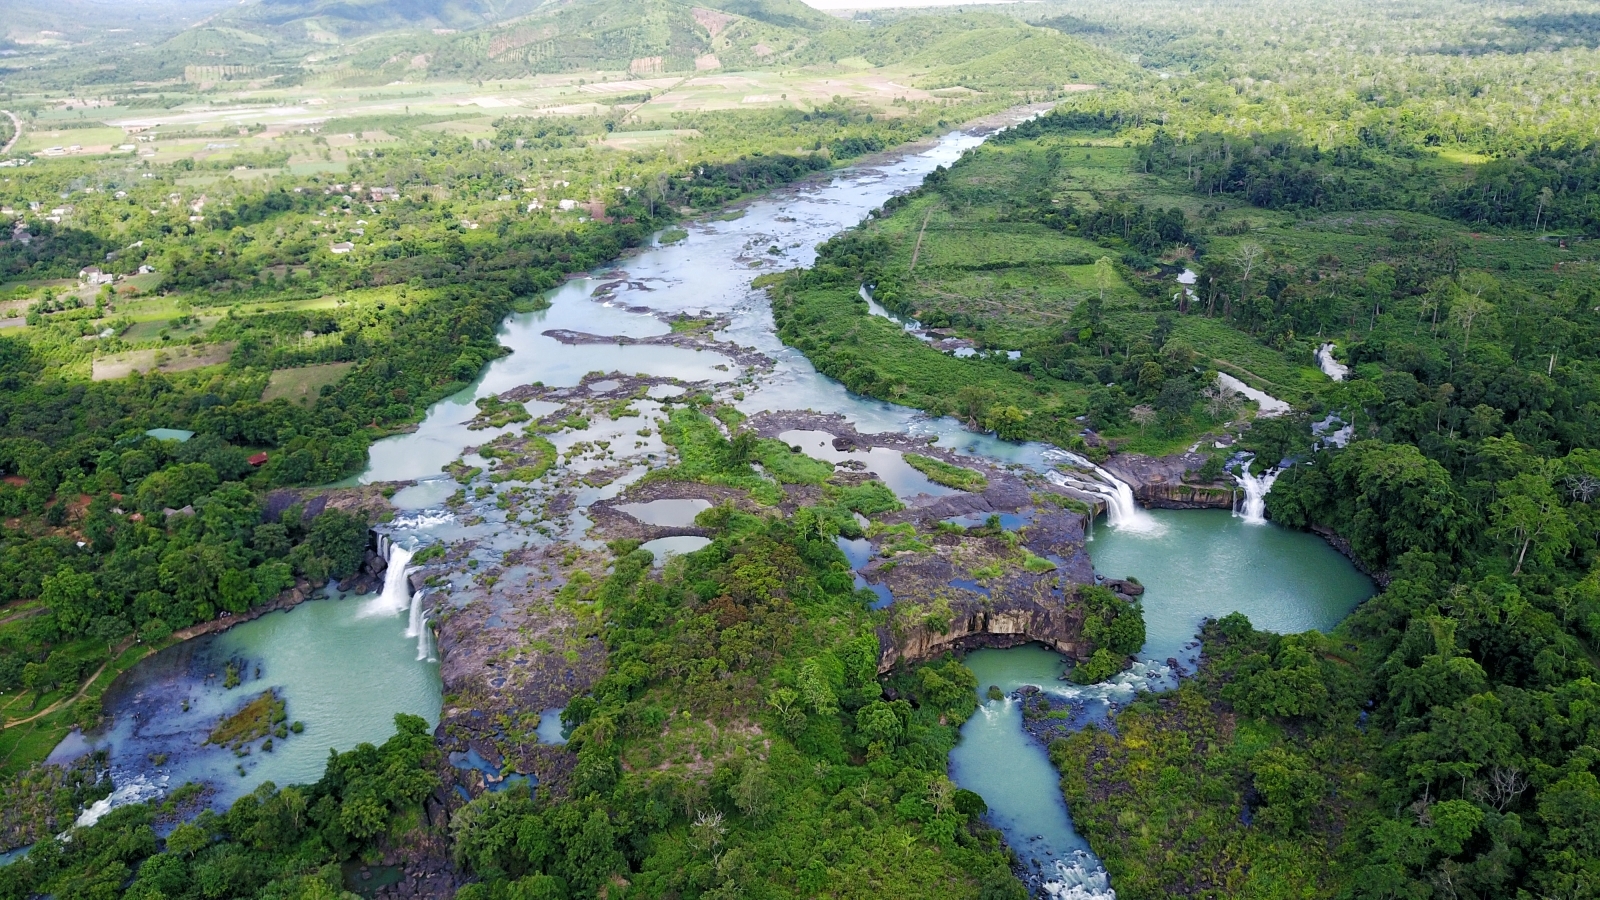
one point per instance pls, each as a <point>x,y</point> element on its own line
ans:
<point>1158,482</point>
<point>937,608</point>
<point>1056,625</point>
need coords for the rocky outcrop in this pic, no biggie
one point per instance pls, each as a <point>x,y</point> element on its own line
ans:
<point>978,623</point>
<point>938,608</point>
<point>1342,544</point>
<point>1186,496</point>
<point>1161,482</point>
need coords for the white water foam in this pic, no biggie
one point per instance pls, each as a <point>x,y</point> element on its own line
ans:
<point>137,790</point>
<point>1254,508</point>
<point>1122,510</point>
<point>1331,367</point>
<point>1080,877</point>
<point>421,521</point>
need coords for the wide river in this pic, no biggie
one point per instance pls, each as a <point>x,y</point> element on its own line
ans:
<point>345,665</point>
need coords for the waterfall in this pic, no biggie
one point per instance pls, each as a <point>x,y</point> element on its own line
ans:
<point>1080,877</point>
<point>1254,508</point>
<point>1331,367</point>
<point>1122,510</point>
<point>414,623</point>
<point>396,594</point>
<point>425,640</point>
<point>137,790</point>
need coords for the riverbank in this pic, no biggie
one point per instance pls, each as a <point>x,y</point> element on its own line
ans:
<point>30,739</point>
<point>538,519</point>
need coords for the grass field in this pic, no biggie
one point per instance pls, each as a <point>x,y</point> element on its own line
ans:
<point>278,117</point>
<point>303,385</point>
<point>29,736</point>
<point>178,359</point>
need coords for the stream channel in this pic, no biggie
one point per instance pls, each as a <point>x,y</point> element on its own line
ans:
<point>345,665</point>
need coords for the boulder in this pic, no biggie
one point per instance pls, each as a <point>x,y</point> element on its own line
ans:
<point>1125,588</point>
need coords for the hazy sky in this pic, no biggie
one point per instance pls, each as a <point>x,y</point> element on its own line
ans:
<point>890,4</point>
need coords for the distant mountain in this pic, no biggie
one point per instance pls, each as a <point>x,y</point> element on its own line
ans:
<point>326,20</point>
<point>78,20</point>
<point>361,42</point>
<point>643,36</point>
<point>322,20</point>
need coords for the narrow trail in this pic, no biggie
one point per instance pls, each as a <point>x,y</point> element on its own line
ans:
<point>16,129</point>
<point>917,250</point>
<point>25,614</point>
<point>115,655</point>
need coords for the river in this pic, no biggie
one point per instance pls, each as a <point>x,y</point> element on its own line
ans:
<point>1194,564</point>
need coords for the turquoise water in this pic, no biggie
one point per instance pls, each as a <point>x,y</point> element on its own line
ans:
<point>1203,563</point>
<point>1194,564</point>
<point>345,672</point>
<point>1013,775</point>
<point>343,667</point>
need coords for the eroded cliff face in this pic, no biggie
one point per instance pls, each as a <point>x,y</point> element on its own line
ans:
<point>1186,496</point>
<point>977,624</point>
<point>969,591</point>
<point>1158,482</point>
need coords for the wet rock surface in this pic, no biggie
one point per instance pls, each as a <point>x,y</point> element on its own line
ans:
<point>512,645</point>
<point>743,356</point>
<point>1163,482</point>
<point>1046,717</point>
<point>957,589</point>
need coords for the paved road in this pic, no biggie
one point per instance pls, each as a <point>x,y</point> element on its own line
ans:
<point>16,128</point>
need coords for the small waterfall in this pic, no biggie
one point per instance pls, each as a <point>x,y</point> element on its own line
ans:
<point>396,595</point>
<point>1123,511</point>
<point>424,638</point>
<point>1331,367</point>
<point>1080,877</point>
<point>414,623</point>
<point>1254,508</point>
<point>137,790</point>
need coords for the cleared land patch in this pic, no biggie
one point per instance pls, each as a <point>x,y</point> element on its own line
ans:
<point>177,359</point>
<point>303,385</point>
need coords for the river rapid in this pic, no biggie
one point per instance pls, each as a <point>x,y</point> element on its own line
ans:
<point>345,665</point>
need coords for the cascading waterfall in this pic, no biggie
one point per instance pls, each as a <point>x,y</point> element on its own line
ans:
<point>425,641</point>
<point>414,623</point>
<point>137,790</point>
<point>1254,508</point>
<point>1122,510</point>
<point>396,594</point>
<point>1331,367</point>
<point>1080,877</point>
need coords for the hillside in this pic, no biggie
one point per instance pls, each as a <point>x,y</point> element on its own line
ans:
<point>978,51</point>
<point>640,36</point>
<point>360,43</point>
